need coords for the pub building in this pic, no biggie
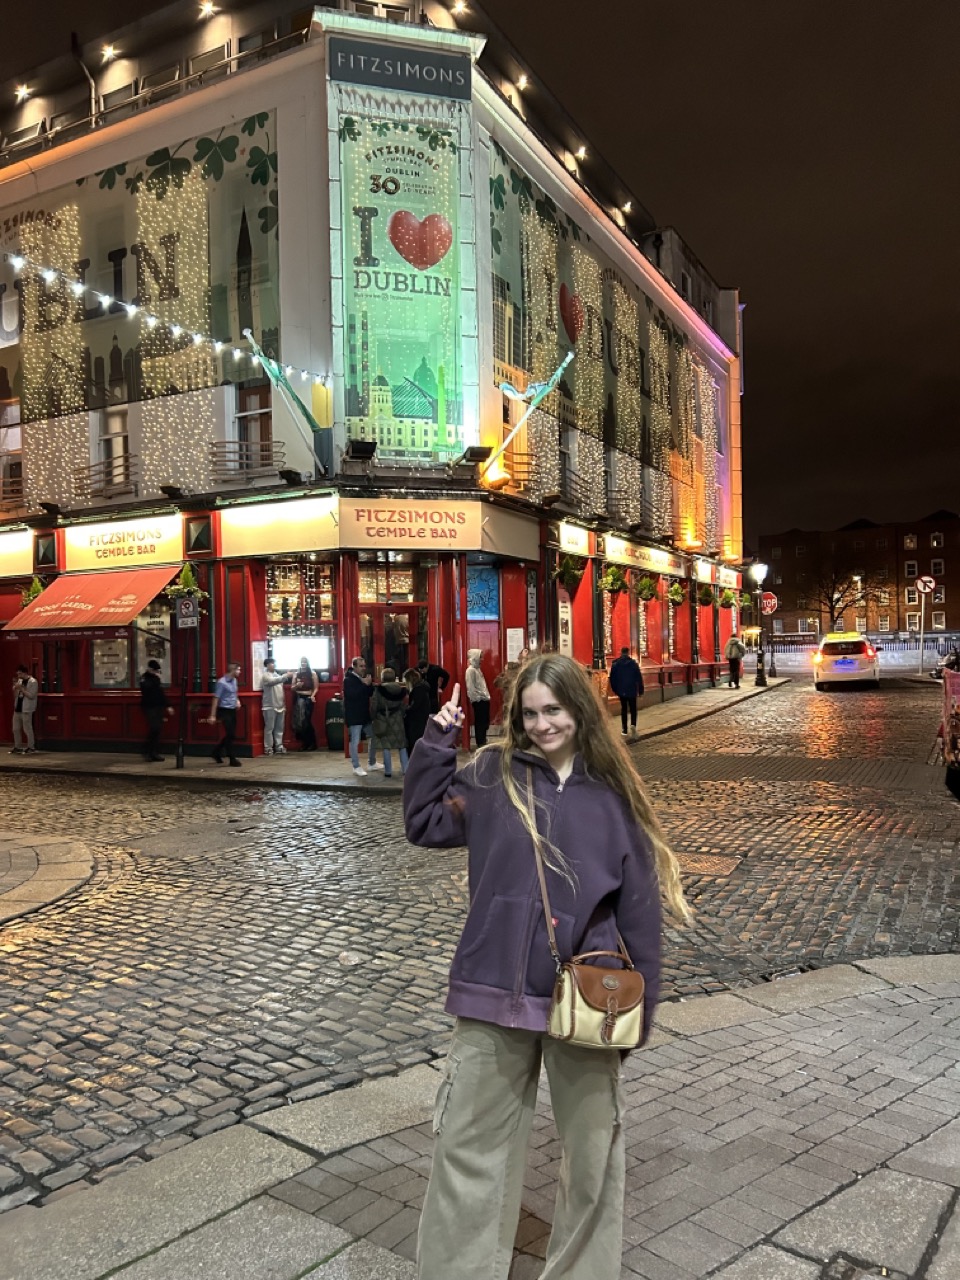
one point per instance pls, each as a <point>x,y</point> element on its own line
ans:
<point>337,308</point>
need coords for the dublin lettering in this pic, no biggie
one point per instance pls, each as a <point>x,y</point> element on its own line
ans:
<point>401,282</point>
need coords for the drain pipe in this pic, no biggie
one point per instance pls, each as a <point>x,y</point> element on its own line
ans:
<point>78,55</point>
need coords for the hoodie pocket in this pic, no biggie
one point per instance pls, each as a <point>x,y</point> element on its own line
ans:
<point>491,946</point>
<point>541,969</point>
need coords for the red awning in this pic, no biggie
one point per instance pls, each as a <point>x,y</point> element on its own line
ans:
<point>85,602</point>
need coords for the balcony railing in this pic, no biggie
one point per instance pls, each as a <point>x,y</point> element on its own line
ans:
<point>11,492</point>
<point>240,460</point>
<point>109,479</point>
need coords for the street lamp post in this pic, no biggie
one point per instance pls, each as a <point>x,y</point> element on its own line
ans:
<point>758,572</point>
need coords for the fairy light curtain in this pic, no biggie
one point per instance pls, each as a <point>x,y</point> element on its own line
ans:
<point>401,215</point>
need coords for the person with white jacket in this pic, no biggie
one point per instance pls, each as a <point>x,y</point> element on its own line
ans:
<point>274,707</point>
<point>478,695</point>
<point>25,694</point>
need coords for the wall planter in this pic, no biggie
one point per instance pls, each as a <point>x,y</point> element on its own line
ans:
<point>646,589</point>
<point>613,580</point>
<point>706,595</point>
<point>569,571</point>
<point>676,595</point>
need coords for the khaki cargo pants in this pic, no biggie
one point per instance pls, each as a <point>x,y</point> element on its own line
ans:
<point>484,1111</point>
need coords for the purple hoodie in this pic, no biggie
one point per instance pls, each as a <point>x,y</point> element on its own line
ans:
<point>503,971</point>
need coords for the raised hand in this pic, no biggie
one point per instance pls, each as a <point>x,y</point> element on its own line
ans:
<point>450,714</point>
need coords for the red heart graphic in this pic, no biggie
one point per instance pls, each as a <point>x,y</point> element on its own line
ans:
<point>571,313</point>
<point>422,244</point>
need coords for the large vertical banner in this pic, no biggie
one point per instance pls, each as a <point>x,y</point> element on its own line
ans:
<point>401,152</point>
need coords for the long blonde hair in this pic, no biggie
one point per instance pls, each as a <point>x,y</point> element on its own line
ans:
<point>604,757</point>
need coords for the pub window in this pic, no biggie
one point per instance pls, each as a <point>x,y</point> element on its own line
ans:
<point>301,612</point>
<point>114,448</point>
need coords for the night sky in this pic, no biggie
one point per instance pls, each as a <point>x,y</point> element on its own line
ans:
<point>808,153</point>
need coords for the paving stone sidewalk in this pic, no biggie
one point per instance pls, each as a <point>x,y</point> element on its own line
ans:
<point>38,869</point>
<point>804,1130</point>
<point>330,770</point>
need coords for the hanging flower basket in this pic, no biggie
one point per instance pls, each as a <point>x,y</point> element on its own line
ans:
<point>746,600</point>
<point>706,595</point>
<point>646,589</point>
<point>569,571</point>
<point>676,595</point>
<point>29,594</point>
<point>186,585</point>
<point>613,579</point>
<point>728,599</point>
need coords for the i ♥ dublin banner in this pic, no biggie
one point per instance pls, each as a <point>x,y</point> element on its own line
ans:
<point>402,138</point>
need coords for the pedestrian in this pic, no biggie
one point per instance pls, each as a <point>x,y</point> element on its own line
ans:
<point>733,651</point>
<point>478,696</point>
<point>305,686</point>
<point>155,705</point>
<point>606,865</point>
<point>437,680</point>
<point>356,713</point>
<point>386,714</point>
<point>626,681</point>
<point>224,706</point>
<point>274,706</point>
<point>418,707</point>
<point>26,691</point>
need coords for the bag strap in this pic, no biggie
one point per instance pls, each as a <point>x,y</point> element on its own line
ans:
<point>547,910</point>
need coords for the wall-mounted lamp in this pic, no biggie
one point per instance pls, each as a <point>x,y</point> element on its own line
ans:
<point>108,52</point>
<point>23,92</point>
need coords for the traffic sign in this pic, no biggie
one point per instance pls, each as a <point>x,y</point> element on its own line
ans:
<point>769,603</point>
<point>926,584</point>
<point>188,611</point>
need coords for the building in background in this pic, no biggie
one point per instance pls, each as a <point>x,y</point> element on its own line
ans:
<point>889,560</point>
<point>276,293</point>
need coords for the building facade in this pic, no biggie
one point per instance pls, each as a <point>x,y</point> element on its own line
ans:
<point>335,307</point>
<point>892,560</point>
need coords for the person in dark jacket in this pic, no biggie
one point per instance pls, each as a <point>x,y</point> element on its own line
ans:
<point>387,706</point>
<point>154,704</point>
<point>436,680</point>
<point>356,713</point>
<point>626,681</point>
<point>606,866</point>
<point>418,707</point>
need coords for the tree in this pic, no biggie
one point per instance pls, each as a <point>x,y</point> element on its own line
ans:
<point>836,586</point>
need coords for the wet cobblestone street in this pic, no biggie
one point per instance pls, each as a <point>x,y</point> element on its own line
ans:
<point>234,950</point>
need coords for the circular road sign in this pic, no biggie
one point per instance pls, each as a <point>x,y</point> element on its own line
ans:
<point>769,603</point>
<point>926,584</point>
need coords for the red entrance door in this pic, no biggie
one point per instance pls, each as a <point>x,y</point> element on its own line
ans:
<point>486,636</point>
<point>389,635</point>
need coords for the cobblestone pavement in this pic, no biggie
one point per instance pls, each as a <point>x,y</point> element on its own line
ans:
<point>236,951</point>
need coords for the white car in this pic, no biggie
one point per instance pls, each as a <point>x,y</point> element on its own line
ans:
<point>845,655</point>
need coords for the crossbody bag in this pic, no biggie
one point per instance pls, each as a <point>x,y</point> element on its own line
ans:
<point>593,1005</point>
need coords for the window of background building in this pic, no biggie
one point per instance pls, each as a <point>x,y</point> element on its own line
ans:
<point>913,622</point>
<point>881,574</point>
<point>911,595</point>
<point>803,602</point>
<point>910,569</point>
<point>936,539</point>
<point>939,621</point>
<point>858,544</point>
<point>807,626</point>
<point>881,544</point>
<point>909,542</point>
<point>800,549</point>
<point>777,577</point>
<point>937,568</point>
<point>939,595</point>
<point>883,597</point>
<point>684,286</point>
<point>778,626</point>
<point>861,625</point>
<point>883,622</point>
<point>775,553</point>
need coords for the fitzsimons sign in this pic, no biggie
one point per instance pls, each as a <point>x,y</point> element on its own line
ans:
<point>124,544</point>
<point>387,66</point>
<point>440,526</point>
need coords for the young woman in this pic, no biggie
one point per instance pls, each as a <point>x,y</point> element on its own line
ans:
<point>418,707</point>
<point>305,686</point>
<point>607,865</point>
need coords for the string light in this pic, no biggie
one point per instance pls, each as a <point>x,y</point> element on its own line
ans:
<point>543,445</point>
<point>707,389</point>
<point>659,486</point>
<point>23,92</point>
<point>108,52</point>
<point>39,265</point>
